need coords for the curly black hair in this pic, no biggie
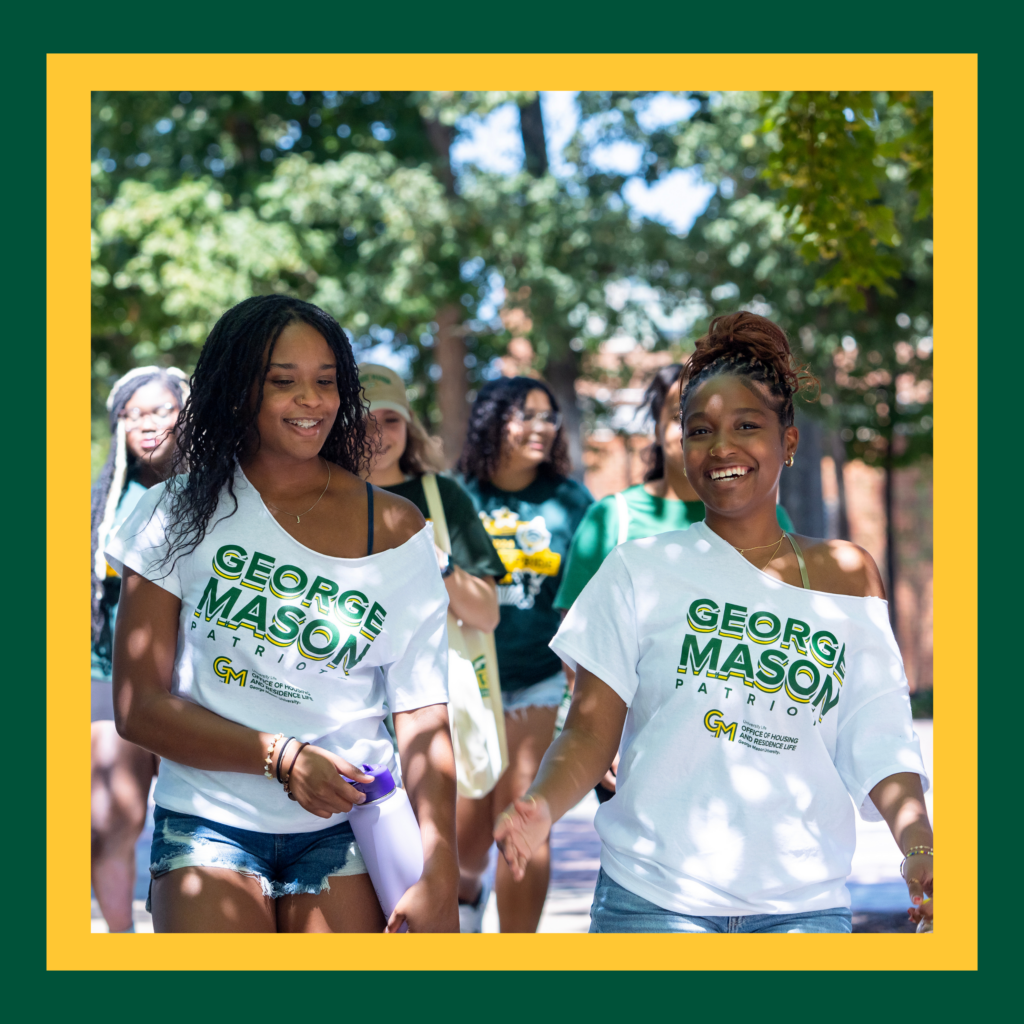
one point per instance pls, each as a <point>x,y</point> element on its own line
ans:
<point>218,424</point>
<point>494,404</point>
<point>653,403</point>
<point>754,348</point>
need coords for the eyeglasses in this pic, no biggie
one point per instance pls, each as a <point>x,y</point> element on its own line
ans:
<point>542,419</point>
<point>162,413</point>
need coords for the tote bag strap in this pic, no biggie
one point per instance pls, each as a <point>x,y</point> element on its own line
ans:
<point>436,509</point>
<point>623,510</point>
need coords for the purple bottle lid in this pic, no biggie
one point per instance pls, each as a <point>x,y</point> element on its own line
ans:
<point>383,783</point>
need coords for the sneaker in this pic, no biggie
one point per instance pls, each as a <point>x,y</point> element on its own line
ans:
<point>471,915</point>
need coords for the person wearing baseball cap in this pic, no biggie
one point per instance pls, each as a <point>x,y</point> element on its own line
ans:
<point>405,454</point>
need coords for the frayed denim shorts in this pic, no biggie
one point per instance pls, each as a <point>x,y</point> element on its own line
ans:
<point>286,865</point>
<point>547,693</point>
<point>616,909</point>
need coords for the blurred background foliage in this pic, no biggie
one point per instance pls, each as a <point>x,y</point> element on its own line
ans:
<point>819,217</point>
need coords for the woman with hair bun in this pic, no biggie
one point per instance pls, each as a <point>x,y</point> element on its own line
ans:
<point>143,407</point>
<point>759,683</point>
<point>264,631</point>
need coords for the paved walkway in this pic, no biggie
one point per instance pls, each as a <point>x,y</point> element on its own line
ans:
<point>878,893</point>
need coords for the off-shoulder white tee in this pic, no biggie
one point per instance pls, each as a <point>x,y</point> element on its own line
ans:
<point>757,710</point>
<point>281,638</point>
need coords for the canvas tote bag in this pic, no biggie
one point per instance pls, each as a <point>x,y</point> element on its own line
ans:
<point>474,689</point>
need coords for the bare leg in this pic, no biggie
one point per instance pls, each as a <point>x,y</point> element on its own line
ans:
<point>211,900</point>
<point>529,735</point>
<point>121,775</point>
<point>474,825</point>
<point>350,906</point>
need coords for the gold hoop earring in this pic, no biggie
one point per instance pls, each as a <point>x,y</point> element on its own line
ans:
<point>789,461</point>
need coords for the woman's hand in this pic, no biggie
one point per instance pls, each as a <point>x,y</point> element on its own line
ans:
<point>432,904</point>
<point>611,776</point>
<point>521,828</point>
<point>918,873</point>
<point>316,781</point>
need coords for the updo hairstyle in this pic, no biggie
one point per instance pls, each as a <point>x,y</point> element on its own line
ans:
<point>752,347</point>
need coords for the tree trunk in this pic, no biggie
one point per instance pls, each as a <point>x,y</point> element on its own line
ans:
<point>800,489</point>
<point>450,356</point>
<point>561,373</point>
<point>839,460</point>
<point>890,534</point>
<point>531,125</point>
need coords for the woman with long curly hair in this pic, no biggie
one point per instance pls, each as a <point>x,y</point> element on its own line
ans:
<point>515,465</point>
<point>143,407</point>
<point>264,632</point>
<point>759,683</point>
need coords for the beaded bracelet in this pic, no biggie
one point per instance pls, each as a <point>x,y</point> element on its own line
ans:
<point>913,852</point>
<point>270,755</point>
<point>280,758</point>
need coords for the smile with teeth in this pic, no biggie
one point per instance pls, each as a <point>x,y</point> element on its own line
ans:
<point>729,472</point>
<point>304,424</point>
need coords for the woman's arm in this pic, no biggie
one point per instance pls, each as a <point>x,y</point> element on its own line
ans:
<point>572,766</point>
<point>473,599</point>
<point>900,801</point>
<point>149,715</point>
<point>428,769</point>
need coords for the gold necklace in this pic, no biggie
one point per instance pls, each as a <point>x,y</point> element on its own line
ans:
<point>774,553</point>
<point>757,547</point>
<point>298,518</point>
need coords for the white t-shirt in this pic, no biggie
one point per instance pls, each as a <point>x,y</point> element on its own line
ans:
<point>756,710</point>
<point>281,638</point>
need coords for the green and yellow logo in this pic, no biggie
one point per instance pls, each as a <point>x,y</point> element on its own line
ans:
<point>480,668</point>
<point>222,667</point>
<point>715,724</point>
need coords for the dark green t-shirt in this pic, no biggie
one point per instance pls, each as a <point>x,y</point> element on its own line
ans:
<point>531,530</point>
<point>472,549</point>
<point>601,532</point>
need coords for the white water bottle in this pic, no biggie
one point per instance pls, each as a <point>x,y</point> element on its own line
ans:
<point>388,836</point>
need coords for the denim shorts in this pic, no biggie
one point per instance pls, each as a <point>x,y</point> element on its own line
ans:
<point>286,865</point>
<point>616,909</point>
<point>545,694</point>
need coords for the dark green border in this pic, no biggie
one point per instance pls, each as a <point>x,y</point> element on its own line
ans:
<point>461,27</point>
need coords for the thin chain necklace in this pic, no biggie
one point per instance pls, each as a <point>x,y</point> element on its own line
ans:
<point>298,518</point>
<point>757,547</point>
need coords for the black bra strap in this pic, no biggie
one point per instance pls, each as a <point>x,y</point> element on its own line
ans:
<point>369,519</point>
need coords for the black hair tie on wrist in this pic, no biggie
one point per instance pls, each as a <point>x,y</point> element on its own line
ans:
<point>291,767</point>
<point>280,758</point>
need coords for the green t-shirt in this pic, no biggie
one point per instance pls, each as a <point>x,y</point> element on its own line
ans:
<point>600,532</point>
<point>531,530</point>
<point>472,549</point>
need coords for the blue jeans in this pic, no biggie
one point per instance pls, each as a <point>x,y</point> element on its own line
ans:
<point>286,865</point>
<point>616,909</point>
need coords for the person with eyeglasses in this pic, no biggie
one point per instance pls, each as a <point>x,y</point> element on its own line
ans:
<point>143,406</point>
<point>515,466</point>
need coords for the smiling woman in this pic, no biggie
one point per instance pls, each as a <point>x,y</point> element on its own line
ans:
<point>264,629</point>
<point>753,679</point>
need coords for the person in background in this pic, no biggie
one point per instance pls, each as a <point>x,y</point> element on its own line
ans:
<point>405,452</point>
<point>759,683</point>
<point>143,406</point>
<point>515,467</point>
<point>664,501</point>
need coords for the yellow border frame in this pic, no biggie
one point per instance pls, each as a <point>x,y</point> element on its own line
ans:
<point>70,80</point>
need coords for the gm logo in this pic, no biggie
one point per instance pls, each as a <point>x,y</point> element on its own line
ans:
<point>222,667</point>
<point>714,723</point>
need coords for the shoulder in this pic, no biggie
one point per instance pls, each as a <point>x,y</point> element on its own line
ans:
<point>452,491</point>
<point>396,519</point>
<point>572,492</point>
<point>841,567</point>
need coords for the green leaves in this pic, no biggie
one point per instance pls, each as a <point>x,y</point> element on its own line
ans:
<point>829,158</point>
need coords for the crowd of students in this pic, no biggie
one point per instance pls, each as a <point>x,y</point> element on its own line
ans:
<point>260,539</point>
